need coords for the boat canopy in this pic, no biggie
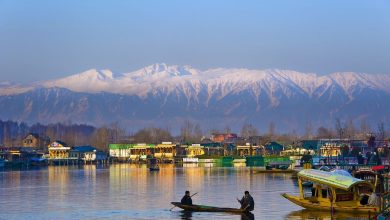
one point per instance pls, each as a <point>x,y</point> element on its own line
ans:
<point>331,179</point>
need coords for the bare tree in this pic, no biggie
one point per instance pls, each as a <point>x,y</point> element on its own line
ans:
<point>190,132</point>
<point>381,131</point>
<point>248,130</point>
<point>364,128</point>
<point>323,132</point>
<point>309,130</point>
<point>340,129</point>
<point>271,129</point>
<point>350,130</point>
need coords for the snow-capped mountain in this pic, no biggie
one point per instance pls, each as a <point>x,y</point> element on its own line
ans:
<point>162,95</point>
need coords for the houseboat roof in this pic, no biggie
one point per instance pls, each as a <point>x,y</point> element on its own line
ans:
<point>331,179</point>
<point>120,146</point>
<point>84,148</point>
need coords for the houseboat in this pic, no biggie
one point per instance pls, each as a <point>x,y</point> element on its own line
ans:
<point>140,152</point>
<point>332,191</point>
<point>165,152</point>
<point>192,152</point>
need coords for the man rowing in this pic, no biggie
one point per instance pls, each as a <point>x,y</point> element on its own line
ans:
<point>186,200</point>
<point>247,202</point>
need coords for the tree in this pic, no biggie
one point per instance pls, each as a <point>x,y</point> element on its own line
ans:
<point>381,131</point>
<point>309,130</point>
<point>323,133</point>
<point>248,130</point>
<point>364,128</point>
<point>340,129</point>
<point>190,132</point>
<point>271,129</point>
<point>349,129</point>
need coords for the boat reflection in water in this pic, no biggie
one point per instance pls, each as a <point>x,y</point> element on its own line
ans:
<point>323,215</point>
<point>187,215</point>
<point>248,216</point>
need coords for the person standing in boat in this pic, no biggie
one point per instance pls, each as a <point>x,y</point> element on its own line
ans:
<point>247,202</point>
<point>186,200</point>
<point>373,199</point>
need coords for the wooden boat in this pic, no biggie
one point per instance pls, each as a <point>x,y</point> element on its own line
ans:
<point>332,191</point>
<point>203,208</point>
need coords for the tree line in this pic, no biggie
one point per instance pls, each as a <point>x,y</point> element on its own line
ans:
<point>12,133</point>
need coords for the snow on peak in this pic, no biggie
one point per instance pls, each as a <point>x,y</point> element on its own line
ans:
<point>174,79</point>
<point>161,70</point>
<point>88,81</point>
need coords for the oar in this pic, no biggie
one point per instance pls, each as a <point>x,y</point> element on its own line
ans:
<point>175,205</point>
<point>247,206</point>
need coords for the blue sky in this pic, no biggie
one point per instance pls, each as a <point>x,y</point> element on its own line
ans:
<point>42,40</point>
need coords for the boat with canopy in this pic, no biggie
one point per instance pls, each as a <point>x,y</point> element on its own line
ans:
<point>332,191</point>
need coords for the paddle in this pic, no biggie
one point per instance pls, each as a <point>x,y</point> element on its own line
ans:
<point>175,205</point>
<point>247,206</point>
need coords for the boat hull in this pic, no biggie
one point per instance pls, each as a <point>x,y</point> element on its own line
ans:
<point>305,203</point>
<point>203,208</point>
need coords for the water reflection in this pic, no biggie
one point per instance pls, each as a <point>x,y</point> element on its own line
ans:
<point>322,215</point>
<point>248,216</point>
<point>131,191</point>
<point>186,215</point>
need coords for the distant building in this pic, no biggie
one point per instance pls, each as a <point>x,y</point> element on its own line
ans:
<point>214,149</point>
<point>166,151</point>
<point>330,150</point>
<point>35,141</point>
<point>218,137</point>
<point>120,152</point>
<point>249,150</point>
<point>58,150</point>
<point>31,140</point>
<point>87,153</point>
<point>195,150</point>
<point>273,148</point>
<point>139,152</point>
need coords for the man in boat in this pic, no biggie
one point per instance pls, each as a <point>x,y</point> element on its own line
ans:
<point>373,199</point>
<point>247,202</point>
<point>186,200</point>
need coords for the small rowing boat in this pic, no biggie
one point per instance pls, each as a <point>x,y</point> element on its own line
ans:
<point>203,208</point>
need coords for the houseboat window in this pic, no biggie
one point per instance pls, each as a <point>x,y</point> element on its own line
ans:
<point>308,192</point>
<point>344,195</point>
<point>324,193</point>
<point>313,192</point>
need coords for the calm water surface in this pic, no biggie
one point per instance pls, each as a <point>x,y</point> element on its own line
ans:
<point>125,191</point>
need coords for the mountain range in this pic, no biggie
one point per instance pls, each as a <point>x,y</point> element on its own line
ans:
<point>166,96</point>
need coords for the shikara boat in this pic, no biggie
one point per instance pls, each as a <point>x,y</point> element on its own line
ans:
<point>332,191</point>
<point>203,208</point>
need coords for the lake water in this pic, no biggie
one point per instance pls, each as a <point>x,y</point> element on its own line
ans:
<point>128,191</point>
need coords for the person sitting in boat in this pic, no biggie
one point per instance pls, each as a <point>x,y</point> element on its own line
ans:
<point>373,199</point>
<point>186,200</point>
<point>247,202</point>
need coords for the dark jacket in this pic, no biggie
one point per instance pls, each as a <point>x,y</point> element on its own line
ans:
<point>247,203</point>
<point>186,200</point>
